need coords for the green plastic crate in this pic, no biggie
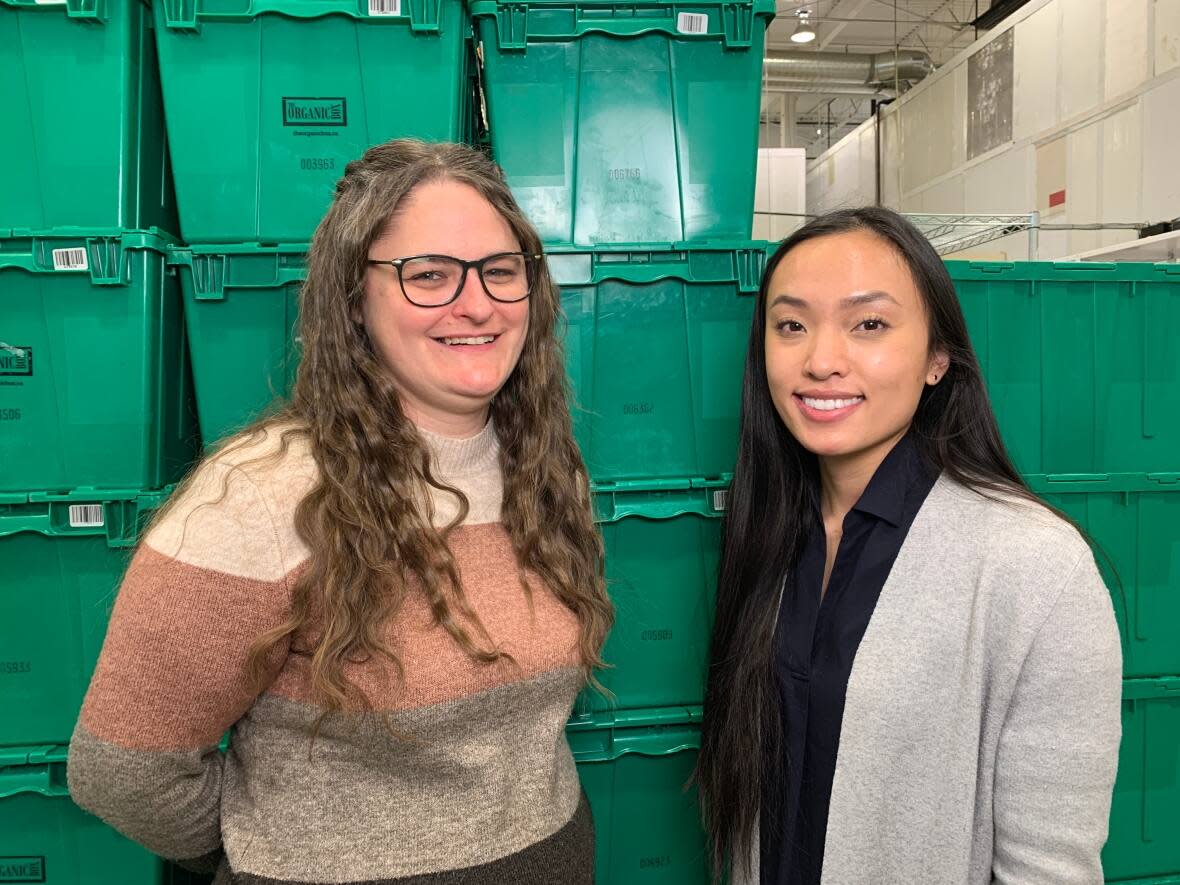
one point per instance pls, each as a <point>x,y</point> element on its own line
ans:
<point>1135,520</point>
<point>655,350</point>
<point>63,557</point>
<point>1145,814</point>
<point>268,100</point>
<point>83,120</point>
<point>95,387</point>
<point>662,542</point>
<point>634,768</point>
<point>1079,361</point>
<point>689,305</point>
<point>44,837</point>
<point>241,304</point>
<point>617,122</point>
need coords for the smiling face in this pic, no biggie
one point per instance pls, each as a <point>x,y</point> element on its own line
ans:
<point>447,362</point>
<point>847,347</point>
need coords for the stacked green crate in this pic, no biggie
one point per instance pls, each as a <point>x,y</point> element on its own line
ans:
<point>94,381</point>
<point>84,129</point>
<point>44,837</point>
<point>268,100</point>
<point>635,767</point>
<point>624,123</point>
<point>628,135</point>
<point>95,412</point>
<point>1086,388</point>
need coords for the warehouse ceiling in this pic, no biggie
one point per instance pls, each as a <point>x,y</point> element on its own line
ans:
<point>940,28</point>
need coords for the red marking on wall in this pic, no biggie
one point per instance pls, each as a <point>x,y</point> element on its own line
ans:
<point>1057,198</point>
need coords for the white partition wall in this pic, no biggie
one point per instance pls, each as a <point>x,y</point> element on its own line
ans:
<point>781,188</point>
<point>1070,108</point>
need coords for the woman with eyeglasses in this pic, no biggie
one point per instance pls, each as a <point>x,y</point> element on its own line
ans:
<point>389,592</point>
<point>915,666</point>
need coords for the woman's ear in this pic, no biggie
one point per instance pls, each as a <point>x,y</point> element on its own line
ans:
<point>939,363</point>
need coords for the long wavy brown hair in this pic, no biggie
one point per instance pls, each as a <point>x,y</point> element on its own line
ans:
<point>371,543</point>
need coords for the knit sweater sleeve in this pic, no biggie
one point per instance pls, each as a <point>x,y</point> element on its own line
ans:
<point>172,677</point>
<point>1058,748</point>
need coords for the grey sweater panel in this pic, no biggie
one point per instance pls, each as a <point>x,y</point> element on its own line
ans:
<point>981,728</point>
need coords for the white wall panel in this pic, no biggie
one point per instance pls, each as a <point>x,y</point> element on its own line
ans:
<point>1126,47</point>
<point>1167,36</point>
<point>1081,56</point>
<point>938,122</point>
<point>1001,185</point>
<point>1161,151</point>
<point>944,197</point>
<point>958,116</point>
<point>1083,180</point>
<point>1122,171</point>
<point>891,153</point>
<point>1034,78</point>
<point>916,143</point>
<point>782,188</point>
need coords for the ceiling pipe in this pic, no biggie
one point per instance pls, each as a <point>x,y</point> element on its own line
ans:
<point>800,87</point>
<point>846,69</point>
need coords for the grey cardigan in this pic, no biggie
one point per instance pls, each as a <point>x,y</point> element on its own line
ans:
<point>981,729</point>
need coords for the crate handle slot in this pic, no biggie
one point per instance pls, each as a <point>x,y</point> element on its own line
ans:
<point>94,11</point>
<point>512,26</point>
<point>44,780</point>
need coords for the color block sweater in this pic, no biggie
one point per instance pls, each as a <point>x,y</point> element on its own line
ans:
<point>479,787</point>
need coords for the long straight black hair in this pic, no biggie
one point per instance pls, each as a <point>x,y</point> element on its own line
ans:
<point>766,526</point>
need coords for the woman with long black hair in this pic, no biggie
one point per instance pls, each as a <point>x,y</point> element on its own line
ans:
<point>915,666</point>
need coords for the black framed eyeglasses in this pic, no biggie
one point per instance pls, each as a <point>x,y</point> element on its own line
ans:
<point>437,280</point>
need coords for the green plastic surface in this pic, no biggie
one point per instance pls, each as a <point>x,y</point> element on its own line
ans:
<point>1079,361</point>
<point>326,80</point>
<point>95,388</point>
<point>661,572</point>
<point>61,576</point>
<point>1145,814</point>
<point>647,825</point>
<point>83,119</point>
<point>655,348</point>
<point>44,837</point>
<point>1135,520</point>
<point>614,125</point>
<point>241,305</point>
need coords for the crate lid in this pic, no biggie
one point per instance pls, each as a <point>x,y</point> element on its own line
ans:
<point>1064,271</point>
<point>732,261</point>
<point>76,250</point>
<point>519,23</point>
<point>1072,483</point>
<point>116,514</point>
<point>422,16</point>
<point>660,498</point>
<point>1167,687</point>
<point>604,737</point>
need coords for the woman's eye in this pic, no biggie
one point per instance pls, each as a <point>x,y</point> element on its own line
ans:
<point>788,326</point>
<point>872,325</point>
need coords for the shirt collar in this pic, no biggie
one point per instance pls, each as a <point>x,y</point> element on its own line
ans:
<point>884,496</point>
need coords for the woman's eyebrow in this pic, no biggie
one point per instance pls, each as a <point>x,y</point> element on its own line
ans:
<point>857,300</point>
<point>867,298</point>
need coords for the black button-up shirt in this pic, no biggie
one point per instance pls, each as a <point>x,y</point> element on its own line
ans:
<point>815,643</point>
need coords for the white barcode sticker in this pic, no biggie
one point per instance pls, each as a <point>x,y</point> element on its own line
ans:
<point>70,259</point>
<point>720,499</point>
<point>84,516</point>
<point>385,7</point>
<point>692,23</point>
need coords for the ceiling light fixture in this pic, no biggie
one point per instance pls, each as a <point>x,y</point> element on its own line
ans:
<point>804,32</point>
